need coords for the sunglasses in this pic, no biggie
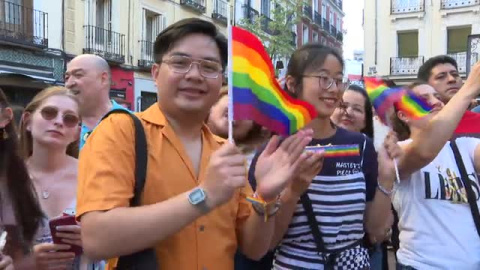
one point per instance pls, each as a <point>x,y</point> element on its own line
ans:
<point>69,119</point>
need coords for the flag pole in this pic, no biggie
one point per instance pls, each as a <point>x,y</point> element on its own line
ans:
<point>229,74</point>
<point>395,163</point>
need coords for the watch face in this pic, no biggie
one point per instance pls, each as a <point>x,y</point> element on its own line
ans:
<point>197,196</point>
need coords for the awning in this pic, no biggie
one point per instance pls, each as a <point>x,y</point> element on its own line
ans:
<point>8,78</point>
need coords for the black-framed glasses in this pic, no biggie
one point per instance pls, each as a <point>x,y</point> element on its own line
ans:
<point>326,82</point>
<point>69,119</point>
<point>183,64</point>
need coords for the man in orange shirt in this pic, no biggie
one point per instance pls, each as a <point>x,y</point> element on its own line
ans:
<point>193,209</point>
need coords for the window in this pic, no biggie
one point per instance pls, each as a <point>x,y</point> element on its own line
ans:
<point>103,15</point>
<point>332,20</point>
<point>324,11</point>
<point>13,11</point>
<point>457,39</point>
<point>407,44</point>
<point>153,24</point>
<point>339,23</point>
<point>265,8</point>
<point>305,34</point>
<point>315,37</point>
<point>315,5</point>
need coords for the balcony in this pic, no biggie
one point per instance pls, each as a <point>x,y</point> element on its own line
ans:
<point>340,36</point>
<point>146,59</point>
<point>105,43</point>
<point>23,25</point>
<point>333,30</point>
<point>249,13</point>
<point>195,5</point>
<point>326,25</point>
<point>265,23</point>
<point>399,6</point>
<point>405,65</point>
<point>307,11</point>
<point>317,18</point>
<point>461,58</point>
<point>220,11</point>
<point>339,4</point>
<point>449,4</point>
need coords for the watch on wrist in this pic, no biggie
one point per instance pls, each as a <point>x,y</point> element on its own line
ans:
<point>197,196</point>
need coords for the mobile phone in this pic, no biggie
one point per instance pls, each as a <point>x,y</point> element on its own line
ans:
<point>61,221</point>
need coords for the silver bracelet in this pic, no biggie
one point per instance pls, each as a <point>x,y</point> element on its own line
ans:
<point>385,191</point>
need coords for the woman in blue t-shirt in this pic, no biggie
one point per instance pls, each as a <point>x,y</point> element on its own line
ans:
<point>321,222</point>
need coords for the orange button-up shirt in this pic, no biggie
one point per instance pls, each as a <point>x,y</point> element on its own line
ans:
<point>106,180</point>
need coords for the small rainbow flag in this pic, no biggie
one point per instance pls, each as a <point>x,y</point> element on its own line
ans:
<point>342,150</point>
<point>413,106</point>
<point>256,93</point>
<point>382,97</point>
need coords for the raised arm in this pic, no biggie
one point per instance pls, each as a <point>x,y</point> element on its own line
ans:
<point>427,144</point>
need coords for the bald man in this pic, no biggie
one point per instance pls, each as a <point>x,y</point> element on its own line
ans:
<point>88,76</point>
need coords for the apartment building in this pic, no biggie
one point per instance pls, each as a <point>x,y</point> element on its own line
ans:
<point>401,34</point>
<point>123,32</point>
<point>321,20</point>
<point>31,55</point>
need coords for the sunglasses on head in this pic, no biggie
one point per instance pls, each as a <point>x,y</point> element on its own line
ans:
<point>69,119</point>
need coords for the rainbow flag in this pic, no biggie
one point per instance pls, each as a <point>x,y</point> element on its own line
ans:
<point>342,150</point>
<point>413,106</point>
<point>256,93</point>
<point>382,97</point>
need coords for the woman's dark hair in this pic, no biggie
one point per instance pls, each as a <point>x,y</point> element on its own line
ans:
<point>175,32</point>
<point>400,127</point>
<point>21,191</point>
<point>309,56</point>
<point>368,130</point>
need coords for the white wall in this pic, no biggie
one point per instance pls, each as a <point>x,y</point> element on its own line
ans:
<point>54,10</point>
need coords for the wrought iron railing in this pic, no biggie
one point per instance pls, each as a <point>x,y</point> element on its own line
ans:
<point>105,43</point>
<point>326,25</point>
<point>333,30</point>
<point>307,11</point>
<point>146,58</point>
<point>448,4</point>
<point>461,58</point>
<point>197,5</point>
<point>405,65</point>
<point>23,25</point>
<point>317,18</point>
<point>340,36</point>
<point>220,11</point>
<point>399,6</point>
<point>250,13</point>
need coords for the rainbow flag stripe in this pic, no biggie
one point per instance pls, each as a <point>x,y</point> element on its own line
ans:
<point>413,106</point>
<point>343,150</point>
<point>382,97</point>
<point>257,95</point>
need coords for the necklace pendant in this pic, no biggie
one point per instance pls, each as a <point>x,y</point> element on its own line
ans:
<point>45,194</point>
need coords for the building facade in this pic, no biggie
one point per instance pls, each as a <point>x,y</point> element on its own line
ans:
<point>123,32</point>
<point>31,55</point>
<point>401,34</point>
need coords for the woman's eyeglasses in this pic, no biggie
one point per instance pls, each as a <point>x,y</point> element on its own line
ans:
<point>326,82</point>
<point>69,119</point>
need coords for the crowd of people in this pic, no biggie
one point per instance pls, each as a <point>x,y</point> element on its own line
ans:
<point>67,159</point>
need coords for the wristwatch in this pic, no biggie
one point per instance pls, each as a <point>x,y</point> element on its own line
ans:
<point>197,196</point>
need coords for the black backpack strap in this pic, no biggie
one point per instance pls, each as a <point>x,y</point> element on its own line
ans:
<point>471,197</point>
<point>141,155</point>
<point>145,259</point>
